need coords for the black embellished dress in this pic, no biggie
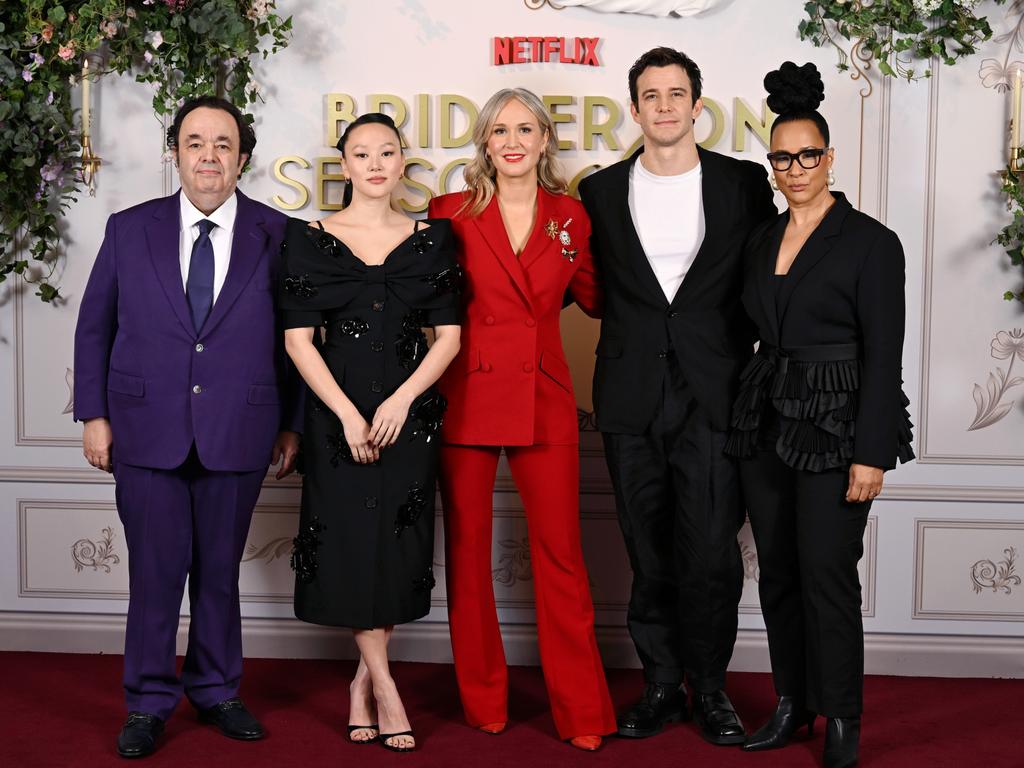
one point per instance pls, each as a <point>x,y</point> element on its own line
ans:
<point>824,391</point>
<point>364,552</point>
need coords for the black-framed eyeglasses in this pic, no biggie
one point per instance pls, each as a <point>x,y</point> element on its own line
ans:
<point>808,159</point>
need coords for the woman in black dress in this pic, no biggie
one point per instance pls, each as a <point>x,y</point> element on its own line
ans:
<point>357,289</point>
<point>819,417</point>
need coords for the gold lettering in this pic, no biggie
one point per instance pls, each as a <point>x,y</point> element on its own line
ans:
<point>551,104</point>
<point>449,100</point>
<point>634,147</point>
<point>323,179</point>
<point>303,193</point>
<point>423,115</point>
<point>606,130</point>
<point>717,115</point>
<point>743,117</point>
<point>376,101</point>
<point>341,108</point>
<point>442,182</point>
<point>420,187</point>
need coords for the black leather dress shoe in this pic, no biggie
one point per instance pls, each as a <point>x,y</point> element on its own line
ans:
<point>717,718</point>
<point>658,705</point>
<point>789,716</point>
<point>233,719</point>
<point>842,737</point>
<point>139,734</point>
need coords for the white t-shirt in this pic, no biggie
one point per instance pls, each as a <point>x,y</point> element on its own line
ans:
<point>668,213</point>
<point>220,238</point>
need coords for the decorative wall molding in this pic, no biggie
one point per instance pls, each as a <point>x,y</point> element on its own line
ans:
<point>885,654</point>
<point>91,553</point>
<point>982,578</point>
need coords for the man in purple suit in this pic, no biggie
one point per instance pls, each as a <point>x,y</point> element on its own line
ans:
<point>182,385</point>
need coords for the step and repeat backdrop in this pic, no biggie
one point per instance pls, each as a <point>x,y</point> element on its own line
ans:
<point>944,543</point>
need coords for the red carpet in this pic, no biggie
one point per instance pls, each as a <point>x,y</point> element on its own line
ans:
<point>65,710</point>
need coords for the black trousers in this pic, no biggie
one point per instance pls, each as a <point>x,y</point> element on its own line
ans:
<point>679,508</point>
<point>809,540</point>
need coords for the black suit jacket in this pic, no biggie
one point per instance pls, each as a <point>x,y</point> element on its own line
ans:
<point>704,323</point>
<point>846,286</point>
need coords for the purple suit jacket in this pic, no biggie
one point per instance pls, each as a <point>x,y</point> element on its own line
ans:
<point>140,363</point>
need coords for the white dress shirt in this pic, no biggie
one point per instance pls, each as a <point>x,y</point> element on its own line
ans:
<point>220,238</point>
<point>668,214</point>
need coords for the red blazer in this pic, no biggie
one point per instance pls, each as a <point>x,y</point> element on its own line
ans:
<point>510,383</point>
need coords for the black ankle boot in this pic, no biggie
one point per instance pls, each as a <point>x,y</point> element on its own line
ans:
<point>842,735</point>
<point>788,718</point>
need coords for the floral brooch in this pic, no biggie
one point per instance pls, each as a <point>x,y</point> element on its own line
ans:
<point>553,231</point>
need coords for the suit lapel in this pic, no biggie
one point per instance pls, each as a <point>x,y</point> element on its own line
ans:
<point>539,240</point>
<point>713,194</point>
<point>492,230</point>
<point>163,235</point>
<point>248,242</point>
<point>813,251</point>
<point>634,249</point>
<point>763,264</point>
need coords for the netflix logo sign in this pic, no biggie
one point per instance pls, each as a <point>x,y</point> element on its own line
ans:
<point>545,50</point>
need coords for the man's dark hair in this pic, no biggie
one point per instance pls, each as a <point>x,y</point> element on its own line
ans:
<point>246,135</point>
<point>664,57</point>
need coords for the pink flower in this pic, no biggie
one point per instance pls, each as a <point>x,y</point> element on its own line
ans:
<point>47,33</point>
<point>67,52</point>
<point>156,39</point>
<point>148,57</point>
<point>109,29</point>
<point>1007,344</point>
<point>26,75</point>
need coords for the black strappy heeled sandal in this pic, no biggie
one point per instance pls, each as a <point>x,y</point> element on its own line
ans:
<point>384,741</point>
<point>353,728</point>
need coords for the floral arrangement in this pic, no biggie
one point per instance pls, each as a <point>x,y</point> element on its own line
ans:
<point>181,48</point>
<point>1011,237</point>
<point>895,32</point>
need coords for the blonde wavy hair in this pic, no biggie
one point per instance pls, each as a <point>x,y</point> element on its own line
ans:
<point>480,173</point>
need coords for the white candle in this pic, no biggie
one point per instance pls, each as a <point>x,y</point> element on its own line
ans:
<point>85,98</point>
<point>1015,115</point>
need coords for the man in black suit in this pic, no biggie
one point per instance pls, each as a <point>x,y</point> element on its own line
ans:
<point>669,225</point>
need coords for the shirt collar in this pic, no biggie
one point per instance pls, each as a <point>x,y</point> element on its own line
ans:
<point>223,217</point>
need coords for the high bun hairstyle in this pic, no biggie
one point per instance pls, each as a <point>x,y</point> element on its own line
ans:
<point>794,93</point>
<point>378,118</point>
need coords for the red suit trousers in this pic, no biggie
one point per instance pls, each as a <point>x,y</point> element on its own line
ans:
<point>547,477</point>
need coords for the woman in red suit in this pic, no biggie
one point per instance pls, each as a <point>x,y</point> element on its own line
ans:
<point>523,246</point>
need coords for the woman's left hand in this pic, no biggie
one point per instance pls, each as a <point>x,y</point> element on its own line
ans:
<point>388,420</point>
<point>865,483</point>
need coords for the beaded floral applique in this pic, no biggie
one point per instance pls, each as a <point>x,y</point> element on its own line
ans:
<point>300,286</point>
<point>426,582</point>
<point>353,326</point>
<point>428,414</point>
<point>446,281</point>
<point>305,556</point>
<point>411,345</point>
<point>411,510</point>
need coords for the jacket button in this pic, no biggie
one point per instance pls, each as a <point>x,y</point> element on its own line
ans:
<point>486,367</point>
<point>528,367</point>
<point>200,347</point>
<point>377,306</point>
<point>530,322</point>
<point>376,386</point>
<point>488,320</point>
<point>672,313</point>
<point>196,390</point>
<point>663,353</point>
<point>371,502</point>
<point>377,346</point>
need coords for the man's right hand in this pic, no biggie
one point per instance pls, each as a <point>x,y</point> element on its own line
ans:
<point>97,441</point>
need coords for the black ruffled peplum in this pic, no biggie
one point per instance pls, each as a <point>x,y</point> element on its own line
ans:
<point>816,401</point>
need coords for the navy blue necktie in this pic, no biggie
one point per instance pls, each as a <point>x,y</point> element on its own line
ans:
<point>199,286</point>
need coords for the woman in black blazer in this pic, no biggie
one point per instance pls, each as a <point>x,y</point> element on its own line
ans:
<point>819,417</point>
